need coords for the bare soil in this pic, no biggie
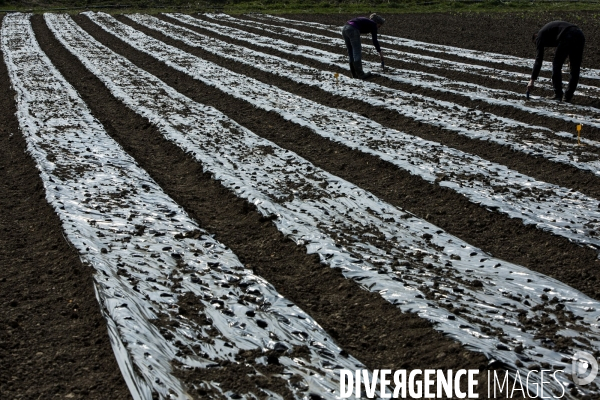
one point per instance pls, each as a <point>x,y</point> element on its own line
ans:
<point>53,339</point>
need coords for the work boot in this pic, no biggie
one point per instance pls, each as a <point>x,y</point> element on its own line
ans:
<point>353,71</point>
<point>568,97</point>
<point>359,71</point>
<point>554,97</point>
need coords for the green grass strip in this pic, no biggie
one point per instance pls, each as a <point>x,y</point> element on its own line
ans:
<point>302,6</point>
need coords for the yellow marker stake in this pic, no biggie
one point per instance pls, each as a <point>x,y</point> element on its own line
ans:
<point>336,75</point>
<point>578,134</point>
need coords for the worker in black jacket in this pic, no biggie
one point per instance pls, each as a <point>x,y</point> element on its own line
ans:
<point>351,33</point>
<point>569,41</point>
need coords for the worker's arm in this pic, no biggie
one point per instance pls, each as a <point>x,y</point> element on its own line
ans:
<point>539,59</point>
<point>374,36</point>
<point>537,65</point>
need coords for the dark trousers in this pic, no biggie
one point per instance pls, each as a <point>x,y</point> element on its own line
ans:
<point>352,38</point>
<point>570,45</point>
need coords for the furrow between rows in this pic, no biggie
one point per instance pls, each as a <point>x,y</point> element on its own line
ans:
<point>556,122</point>
<point>362,322</point>
<point>152,260</point>
<point>557,146</point>
<point>549,207</point>
<point>54,340</point>
<point>436,84</point>
<point>407,57</point>
<point>589,73</point>
<point>505,78</point>
<point>497,97</point>
<point>374,233</point>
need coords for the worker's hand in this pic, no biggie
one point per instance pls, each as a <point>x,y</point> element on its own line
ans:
<point>530,86</point>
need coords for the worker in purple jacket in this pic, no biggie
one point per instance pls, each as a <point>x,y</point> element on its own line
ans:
<point>351,33</point>
<point>569,41</point>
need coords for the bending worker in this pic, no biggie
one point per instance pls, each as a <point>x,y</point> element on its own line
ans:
<point>351,33</point>
<point>569,41</point>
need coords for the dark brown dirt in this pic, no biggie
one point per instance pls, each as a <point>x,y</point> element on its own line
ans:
<point>51,329</point>
<point>504,33</point>
<point>53,339</point>
<point>537,167</point>
<point>257,243</point>
<point>496,234</point>
<point>454,74</point>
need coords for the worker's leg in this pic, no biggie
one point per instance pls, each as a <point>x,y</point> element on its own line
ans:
<point>359,70</point>
<point>354,37</point>
<point>347,35</point>
<point>577,42</point>
<point>355,54</point>
<point>562,51</point>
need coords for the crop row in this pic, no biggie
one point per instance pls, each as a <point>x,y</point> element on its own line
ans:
<point>153,260</point>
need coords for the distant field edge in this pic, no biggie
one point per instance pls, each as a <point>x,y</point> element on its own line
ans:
<point>302,6</point>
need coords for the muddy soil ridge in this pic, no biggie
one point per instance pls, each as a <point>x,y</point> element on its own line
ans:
<point>53,340</point>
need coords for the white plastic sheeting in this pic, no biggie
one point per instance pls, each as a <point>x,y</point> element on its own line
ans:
<point>410,262</point>
<point>498,97</point>
<point>149,254</point>
<point>530,139</point>
<point>476,55</point>
<point>494,72</point>
<point>549,207</point>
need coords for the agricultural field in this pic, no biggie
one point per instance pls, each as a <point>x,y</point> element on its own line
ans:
<point>208,206</point>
